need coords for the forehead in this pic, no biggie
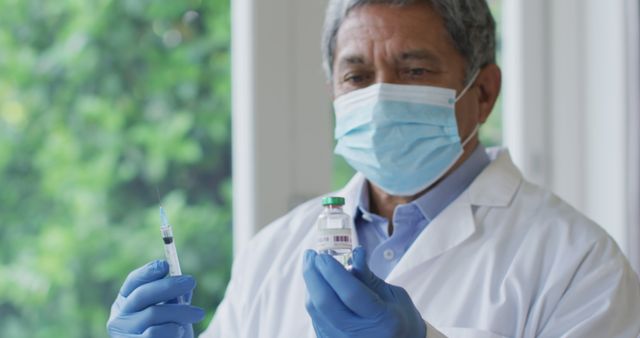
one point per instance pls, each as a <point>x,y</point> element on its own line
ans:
<point>393,28</point>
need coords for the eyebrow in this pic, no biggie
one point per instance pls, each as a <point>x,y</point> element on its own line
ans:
<point>419,54</point>
<point>351,60</point>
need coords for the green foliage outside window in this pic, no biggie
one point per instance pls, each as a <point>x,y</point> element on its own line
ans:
<point>491,131</point>
<point>102,101</point>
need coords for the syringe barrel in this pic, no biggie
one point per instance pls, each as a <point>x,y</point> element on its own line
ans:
<point>170,251</point>
<point>172,259</point>
<point>166,232</point>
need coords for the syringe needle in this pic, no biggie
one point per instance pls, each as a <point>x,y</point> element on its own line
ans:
<point>163,218</point>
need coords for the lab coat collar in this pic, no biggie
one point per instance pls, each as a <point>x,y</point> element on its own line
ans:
<point>494,187</point>
<point>498,183</point>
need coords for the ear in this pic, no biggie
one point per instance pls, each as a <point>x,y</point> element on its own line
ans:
<point>488,82</point>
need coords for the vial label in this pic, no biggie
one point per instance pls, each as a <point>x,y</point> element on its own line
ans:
<point>334,239</point>
<point>334,223</point>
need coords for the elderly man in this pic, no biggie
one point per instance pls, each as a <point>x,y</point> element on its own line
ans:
<point>452,240</point>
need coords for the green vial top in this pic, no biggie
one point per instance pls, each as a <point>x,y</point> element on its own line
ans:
<point>333,200</point>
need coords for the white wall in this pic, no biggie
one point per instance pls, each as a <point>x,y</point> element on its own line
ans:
<point>633,132</point>
<point>526,107</point>
<point>566,102</point>
<point>282,137</point>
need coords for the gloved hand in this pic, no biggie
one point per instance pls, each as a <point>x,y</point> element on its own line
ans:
<point>146,305</point>
<point>357,303</point>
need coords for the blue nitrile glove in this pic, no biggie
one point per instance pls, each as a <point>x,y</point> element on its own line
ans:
<point>357,303</point>
<point>146,305</point>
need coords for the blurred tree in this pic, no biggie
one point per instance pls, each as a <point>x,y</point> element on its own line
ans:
<point>100,102</point>
<point>491,131</point>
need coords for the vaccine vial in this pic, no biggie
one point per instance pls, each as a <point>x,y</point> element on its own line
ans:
<point>334,231</point>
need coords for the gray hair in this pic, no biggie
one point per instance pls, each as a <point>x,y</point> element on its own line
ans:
<point>469,23</point>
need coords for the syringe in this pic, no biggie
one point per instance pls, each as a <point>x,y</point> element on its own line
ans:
<point>170,248</point>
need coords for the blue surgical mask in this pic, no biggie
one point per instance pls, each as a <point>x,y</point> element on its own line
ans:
<point>402,138</point>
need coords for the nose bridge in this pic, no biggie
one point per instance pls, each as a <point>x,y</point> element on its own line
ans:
<point>385,72</point>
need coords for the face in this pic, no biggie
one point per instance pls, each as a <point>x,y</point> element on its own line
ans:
<point>410,45</point>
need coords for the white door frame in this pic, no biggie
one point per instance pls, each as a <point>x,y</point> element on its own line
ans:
<point>281,112</point>
<point>565,104</point>
<point>633,62</point>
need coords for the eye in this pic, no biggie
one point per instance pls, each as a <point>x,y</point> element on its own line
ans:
<point>355,78</point>
<point>416,72</point>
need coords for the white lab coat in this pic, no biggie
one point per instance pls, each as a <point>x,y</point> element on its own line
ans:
<point>505,259</point>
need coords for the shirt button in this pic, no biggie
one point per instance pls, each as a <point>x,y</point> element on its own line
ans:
<point>388,254</point>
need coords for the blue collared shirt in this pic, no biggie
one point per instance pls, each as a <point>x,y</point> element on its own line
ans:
<point>409,220</point>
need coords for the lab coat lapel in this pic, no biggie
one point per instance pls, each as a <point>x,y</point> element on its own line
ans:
<point>451,227</point>
<point>494,187</point>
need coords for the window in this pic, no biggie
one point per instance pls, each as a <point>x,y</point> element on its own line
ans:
<point>491,131</point>
<point>100,103</point>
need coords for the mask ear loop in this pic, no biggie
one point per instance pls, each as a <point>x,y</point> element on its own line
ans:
<point>469,85</point>
<point>462,93</point>
<point>473,133</point>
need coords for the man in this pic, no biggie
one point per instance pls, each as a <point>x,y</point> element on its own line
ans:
<point>453,241</point>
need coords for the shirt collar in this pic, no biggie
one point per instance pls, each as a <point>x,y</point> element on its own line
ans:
<point>363,204</point>
<point>431,203</point>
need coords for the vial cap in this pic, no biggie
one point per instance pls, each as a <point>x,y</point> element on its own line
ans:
<point>333,200</point>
